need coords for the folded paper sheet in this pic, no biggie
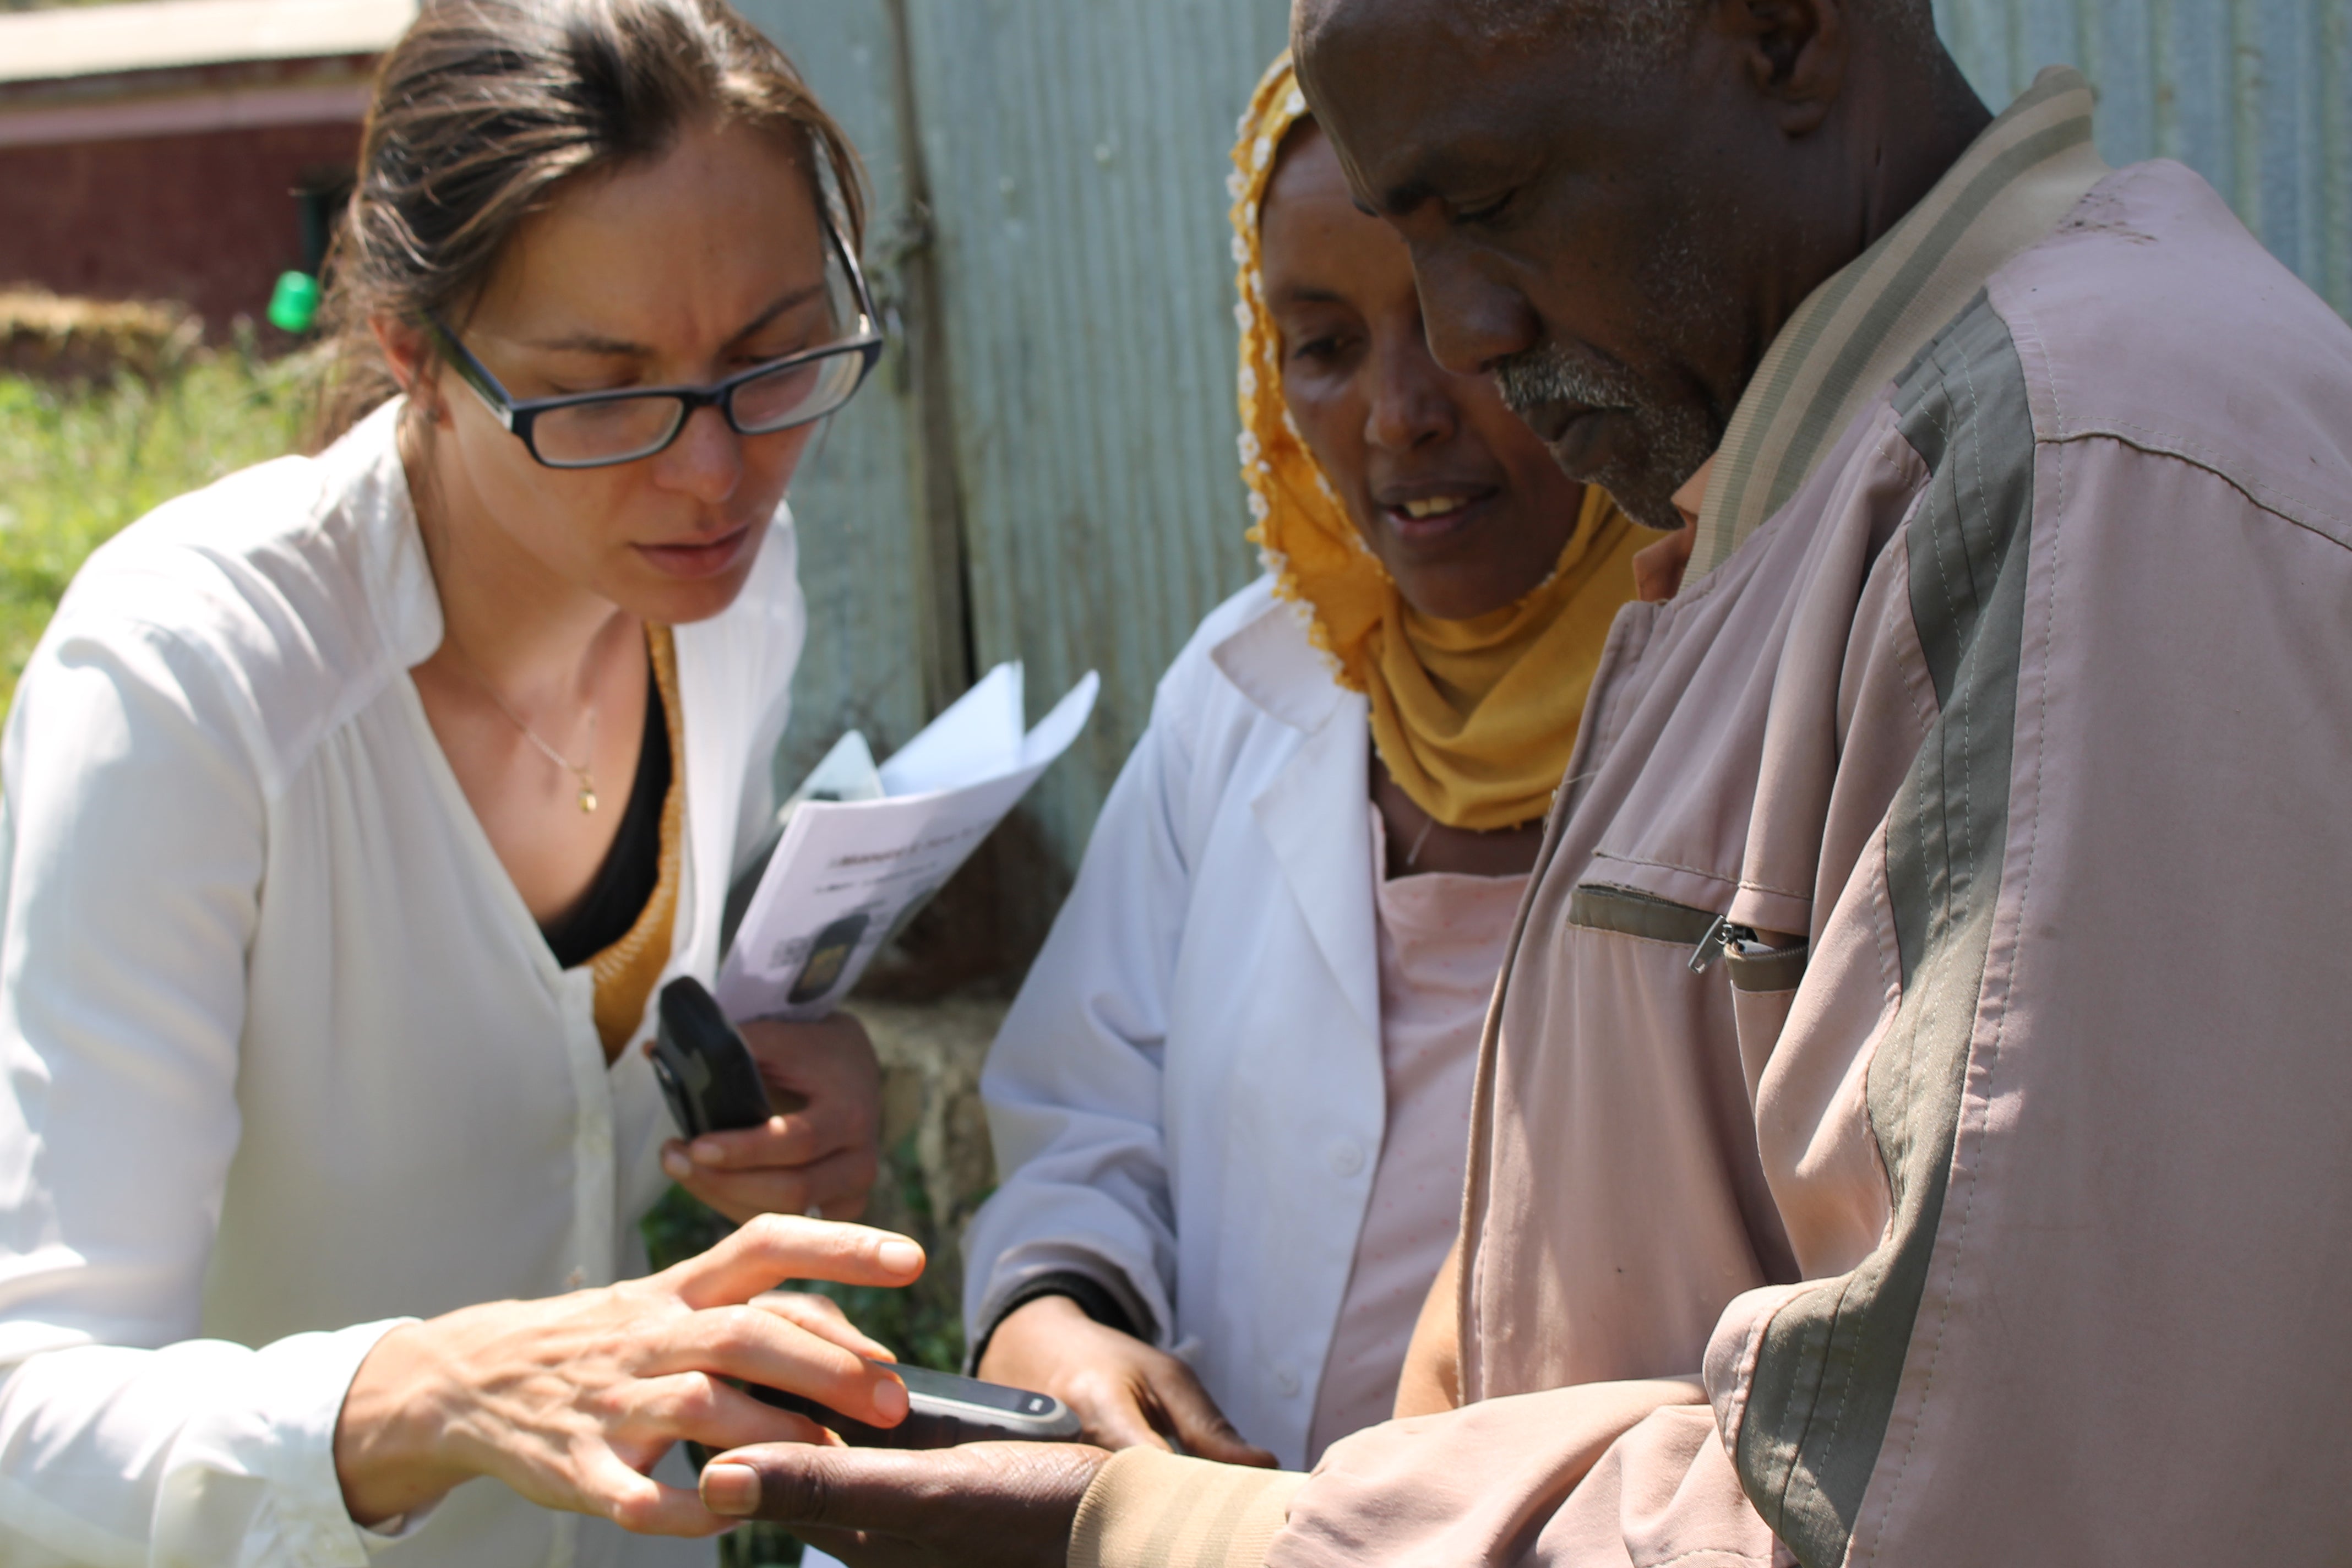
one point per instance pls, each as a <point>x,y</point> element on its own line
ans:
<point>863,847</point>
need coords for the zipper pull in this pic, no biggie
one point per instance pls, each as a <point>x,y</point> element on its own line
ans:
<point>1719,940</point>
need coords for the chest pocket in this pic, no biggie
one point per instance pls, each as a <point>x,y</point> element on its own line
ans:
<point>1764,978</point>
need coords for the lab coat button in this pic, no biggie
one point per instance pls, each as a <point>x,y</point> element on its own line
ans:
<point>1285,1382</point>
<point>1346,1159</point>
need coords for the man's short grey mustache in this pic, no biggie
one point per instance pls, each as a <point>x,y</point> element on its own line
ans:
<point>1545,375</point>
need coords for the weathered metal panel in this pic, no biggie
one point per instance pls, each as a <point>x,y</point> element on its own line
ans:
<point>2255,95</point>
<point>855,501</point>
<point>1076,150</point>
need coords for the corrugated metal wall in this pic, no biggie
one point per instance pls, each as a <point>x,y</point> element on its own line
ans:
<point>1048,474</point>
<point>1073,153</point>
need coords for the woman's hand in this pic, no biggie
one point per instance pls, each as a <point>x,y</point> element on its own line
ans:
<point>571,1401</point>
<point>821,1153</point>
<point>1128,1395</point>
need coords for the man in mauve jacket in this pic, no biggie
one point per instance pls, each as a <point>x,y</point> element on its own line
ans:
<point>1912,1127</point>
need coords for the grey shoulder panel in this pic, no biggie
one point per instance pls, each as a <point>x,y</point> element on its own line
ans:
<point>1831,1360</point>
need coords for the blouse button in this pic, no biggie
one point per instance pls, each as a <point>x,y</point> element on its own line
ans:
<point>1346,1159</point>
<point>1285,1381</point>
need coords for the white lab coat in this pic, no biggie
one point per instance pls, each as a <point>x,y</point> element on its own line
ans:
<point>1188,1096</point>
<point>287,1058</point>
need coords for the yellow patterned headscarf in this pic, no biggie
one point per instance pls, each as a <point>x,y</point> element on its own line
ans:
<point>1475,719</point>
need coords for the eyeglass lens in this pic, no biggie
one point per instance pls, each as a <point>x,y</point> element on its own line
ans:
<point>632,427</point>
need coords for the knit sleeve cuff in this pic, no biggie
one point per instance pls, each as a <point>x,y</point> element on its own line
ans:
<point>1150,1507</point>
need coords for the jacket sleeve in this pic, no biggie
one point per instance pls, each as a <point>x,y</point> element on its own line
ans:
<point>1564,1470</point>
<point>1073,1085</point>
<point>132,847</point>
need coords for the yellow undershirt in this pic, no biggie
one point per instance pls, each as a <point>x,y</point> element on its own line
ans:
<point>627,973</point>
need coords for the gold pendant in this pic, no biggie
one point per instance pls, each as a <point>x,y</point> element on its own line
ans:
<point>587,794</point>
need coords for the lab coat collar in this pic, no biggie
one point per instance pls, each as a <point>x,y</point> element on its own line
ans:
<point>1271,661</point>
<point>1315,812</point>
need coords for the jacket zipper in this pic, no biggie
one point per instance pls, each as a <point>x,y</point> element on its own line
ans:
<point>1719,940</point>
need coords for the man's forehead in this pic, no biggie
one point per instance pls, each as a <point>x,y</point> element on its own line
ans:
<point>1410,98</point>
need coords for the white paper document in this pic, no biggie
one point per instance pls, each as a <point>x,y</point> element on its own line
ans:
<point>864,847</point>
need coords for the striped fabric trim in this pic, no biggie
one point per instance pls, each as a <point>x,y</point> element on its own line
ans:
<point>1828,1366</point>
<point>1150,1508</point>
<point>1854,333</point>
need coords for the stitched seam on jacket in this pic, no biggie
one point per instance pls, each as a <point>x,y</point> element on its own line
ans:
<point>1711,876</point>
<point>2159,444</point>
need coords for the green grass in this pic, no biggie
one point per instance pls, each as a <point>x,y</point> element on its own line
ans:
<point>77,463</point>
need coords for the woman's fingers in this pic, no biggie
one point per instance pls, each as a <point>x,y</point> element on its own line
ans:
<point>741,1196</point>
<point>694,1407</point>
<point>823,1074</point>
<point>1111,1414</point>
<point>770,1249</point>
<point>835,1185</point>
<point>758,1346</point>
<point>780,1142</point>
<point>823,1316</point>
<point>1200,1426</point>
<point>641,1505</point>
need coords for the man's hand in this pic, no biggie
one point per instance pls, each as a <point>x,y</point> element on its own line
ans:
<point>984,1505</point>
<point>821,1153</point>
<point>1128,1395</point>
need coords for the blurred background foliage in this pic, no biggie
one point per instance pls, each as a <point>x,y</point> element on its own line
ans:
<point>81,457</point>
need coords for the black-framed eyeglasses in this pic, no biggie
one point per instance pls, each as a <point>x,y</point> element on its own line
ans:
<point>596,429</point>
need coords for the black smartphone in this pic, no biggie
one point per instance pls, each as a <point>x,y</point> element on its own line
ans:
<point>704,1069</point>
<point>943,1410</point>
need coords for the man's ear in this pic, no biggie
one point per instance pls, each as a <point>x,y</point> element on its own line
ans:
<point>415,364</point>
<point>1794,52</point>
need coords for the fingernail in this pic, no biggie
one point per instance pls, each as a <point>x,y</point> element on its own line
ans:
<point>675,1166</point>
<point>730,1489</point>
<point>706,1152</point>
<point>899,1257</point>
<point>889,1400</point>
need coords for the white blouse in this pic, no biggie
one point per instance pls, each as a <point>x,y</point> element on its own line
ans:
<point>288,1060</point>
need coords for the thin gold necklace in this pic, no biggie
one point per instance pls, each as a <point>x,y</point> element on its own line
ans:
<point>577,770</point>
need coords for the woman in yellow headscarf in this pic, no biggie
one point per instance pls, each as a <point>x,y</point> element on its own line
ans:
<point>1232,1098</point>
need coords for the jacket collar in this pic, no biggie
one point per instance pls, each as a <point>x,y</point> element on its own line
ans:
<point>1271,661</point>
<point>1855,333</point>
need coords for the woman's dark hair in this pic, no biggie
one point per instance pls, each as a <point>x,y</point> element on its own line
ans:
<point>487,109</point>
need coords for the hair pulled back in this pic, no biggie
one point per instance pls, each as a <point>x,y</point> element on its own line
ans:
<point>487,109</point>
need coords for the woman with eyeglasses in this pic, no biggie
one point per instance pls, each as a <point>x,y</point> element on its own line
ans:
<point>357,807</point>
